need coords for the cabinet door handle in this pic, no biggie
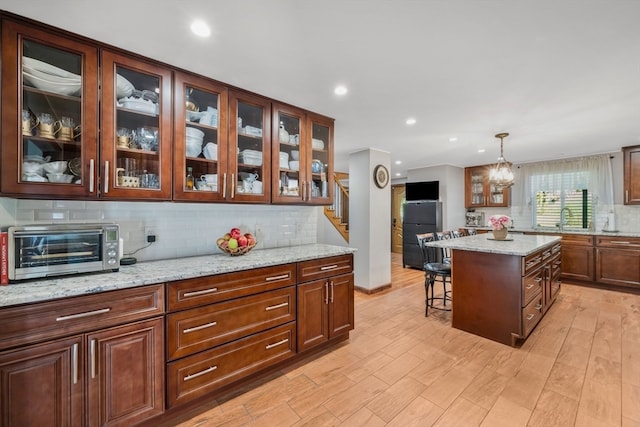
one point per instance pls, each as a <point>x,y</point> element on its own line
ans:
<point>530,316</point>
<point>233,185</point>
<point>626,196</point>
<point>329,267</point>
<point>538,279</point>
<point>326,293</point>
<point>538,307</point>
<point>92,356</point>
<point>202,292</point>
<point>331,291</point>
<point>198,328</point>
<point>74,363</point>
<point>91,175</point>
<point>272,278</point>
<point>106,177</point>
<point>85,314</point>
<point>224,185</point>
<point>273,307</point>
<point>275,344</point>
<point>304,190</point>
<point>197,374</point>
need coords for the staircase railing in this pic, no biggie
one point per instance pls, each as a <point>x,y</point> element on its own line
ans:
<point>338,212</point>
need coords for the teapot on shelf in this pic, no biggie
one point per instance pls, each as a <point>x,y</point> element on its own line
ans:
<point>283,135</point>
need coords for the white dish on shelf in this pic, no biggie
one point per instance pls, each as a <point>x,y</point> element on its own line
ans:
<point>124,87</point>
<point>253,131</point>
<point>60,178</point>
<point>68,89</point>
<point>194,116</point>
<point>317,144</point>
<point>52,78</point>
<point>210,151</point>
<point>36,159</point>
<point>55,167</point>
<point>139,104</point>
<point>194,132</point>
<point>32,168</point>
<point>34,178</point>
<point>47,68</point>
<point>294,165</point>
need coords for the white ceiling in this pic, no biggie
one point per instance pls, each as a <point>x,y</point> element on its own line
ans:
<point>562,77</point>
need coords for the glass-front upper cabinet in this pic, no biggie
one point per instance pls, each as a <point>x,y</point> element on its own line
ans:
<point>49,114</point>
<point>289,156</point>
<point>319,169</point>
<point>200,139</point>
<point>479,192</point>
<point>136,129</point>
<point>249,148</point>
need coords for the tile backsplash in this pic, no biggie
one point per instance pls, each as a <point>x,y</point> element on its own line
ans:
<point>182,229</point>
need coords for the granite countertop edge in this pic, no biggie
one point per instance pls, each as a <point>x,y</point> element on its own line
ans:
<point>518,244</point>
<point>160,271</point>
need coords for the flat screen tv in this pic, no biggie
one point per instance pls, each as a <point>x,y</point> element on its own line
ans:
<point>426,190</point>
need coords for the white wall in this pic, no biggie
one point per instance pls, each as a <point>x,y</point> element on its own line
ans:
<point>182,229</point>
<point>369,220</point>
<point>451,191</point>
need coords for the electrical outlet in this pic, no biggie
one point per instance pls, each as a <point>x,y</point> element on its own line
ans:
<point>149,231</point>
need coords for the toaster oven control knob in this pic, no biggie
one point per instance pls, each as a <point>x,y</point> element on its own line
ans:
<point>111,261</point>
<point>111,253</point>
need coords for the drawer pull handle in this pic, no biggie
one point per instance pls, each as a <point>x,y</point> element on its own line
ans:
<point>619,242</point>
<point>197,328</point>
<point>538,279</point>
<point>529,287</point>
<point>282,276</point>
<point>202,292</point>
<point>197,374</point>
<point>85,314</point>
<point>329,267</point>
<point>270,346</point>
<point>538,307</point>
<point>530,316</point>
<point>74,358</point>
<point>273,307</point>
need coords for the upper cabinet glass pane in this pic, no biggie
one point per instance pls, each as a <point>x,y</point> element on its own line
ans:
<point>290,160</point>
<point>251,165</point>
<point>51,115</point>
<point>137,130</point>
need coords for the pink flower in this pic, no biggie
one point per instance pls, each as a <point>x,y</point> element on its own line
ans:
<point>498,222</point>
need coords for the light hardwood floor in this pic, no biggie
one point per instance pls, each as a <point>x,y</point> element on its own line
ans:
<point>580,367</point>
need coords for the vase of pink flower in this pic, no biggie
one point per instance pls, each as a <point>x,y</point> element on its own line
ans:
<point>499,225</point>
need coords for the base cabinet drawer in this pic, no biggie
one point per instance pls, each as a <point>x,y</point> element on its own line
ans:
<point>201,328</point>
<point>202,373</point>
<point>531,315</point>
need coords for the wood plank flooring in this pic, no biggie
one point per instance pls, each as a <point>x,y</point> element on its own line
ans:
<point>580,367</point>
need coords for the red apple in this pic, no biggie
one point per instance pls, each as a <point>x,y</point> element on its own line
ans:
<point>235,233</point>
<point>242,241</point>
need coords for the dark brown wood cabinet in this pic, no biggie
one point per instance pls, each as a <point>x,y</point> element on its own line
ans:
<point>325,304</point>
<point>97,373</point>
<point>43,384</point>
<point>578,255</point>
<point>479,192</point>
<point>631,171</point>
<point>618,261</point>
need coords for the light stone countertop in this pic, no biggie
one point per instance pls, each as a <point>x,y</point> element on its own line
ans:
<point>153,272</point>
<point>569,231</point>
<point>521,244</point>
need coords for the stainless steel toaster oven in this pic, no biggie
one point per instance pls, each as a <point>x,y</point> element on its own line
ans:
<point>36,251</point>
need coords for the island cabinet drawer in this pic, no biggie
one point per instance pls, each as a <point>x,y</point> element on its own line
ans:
<point>618,242</point>
<point>200,291</point>
<point>201,328</point>
<point>532,262</point>
<point>53,319</point>
<point>531,315</point>
<point>577,240</point>
<point>197,375</point>
<point>532,285</point>
<point>556,265</point>
<point>324,267</point>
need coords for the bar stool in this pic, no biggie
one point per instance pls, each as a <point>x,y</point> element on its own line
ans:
<point>434,269</point>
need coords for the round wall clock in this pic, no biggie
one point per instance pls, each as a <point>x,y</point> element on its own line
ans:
<point>381,176</point>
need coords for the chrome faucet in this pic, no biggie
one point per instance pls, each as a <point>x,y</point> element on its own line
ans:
<point>562,217</point>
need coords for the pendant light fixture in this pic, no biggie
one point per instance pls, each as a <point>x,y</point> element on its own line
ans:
<point>501,175</point>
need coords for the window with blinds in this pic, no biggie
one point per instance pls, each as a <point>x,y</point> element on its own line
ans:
<point>565,207</point>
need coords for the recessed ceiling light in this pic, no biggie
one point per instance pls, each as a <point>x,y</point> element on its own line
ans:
<point>481,150</point>
<point>410,121</point>
<point>453,139</point>
<point>200,28</point>
<point>398,162</point>
<point>340,90</point>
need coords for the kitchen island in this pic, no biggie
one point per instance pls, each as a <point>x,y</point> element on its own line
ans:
<point>502,288</point>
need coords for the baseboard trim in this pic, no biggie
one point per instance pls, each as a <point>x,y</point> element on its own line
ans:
<point>373,291</point>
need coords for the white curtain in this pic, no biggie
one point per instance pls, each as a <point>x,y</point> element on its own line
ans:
<point>593,173</point>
